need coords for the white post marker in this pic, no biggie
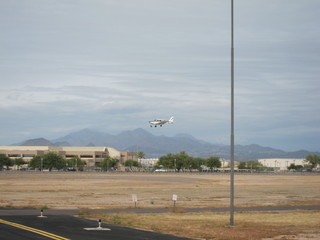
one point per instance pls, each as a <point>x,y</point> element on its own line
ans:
<point>135,199</point>
<point>99,223</point>
<point>174,199</point>
<point>41,214</point>
<point>99,228</point>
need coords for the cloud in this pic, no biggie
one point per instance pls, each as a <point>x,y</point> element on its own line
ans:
<point>69,65</point>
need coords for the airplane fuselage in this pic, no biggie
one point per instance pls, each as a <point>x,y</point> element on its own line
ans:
<point>160,122</point>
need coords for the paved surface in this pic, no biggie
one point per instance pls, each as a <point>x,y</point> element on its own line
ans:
<point>66,227</point>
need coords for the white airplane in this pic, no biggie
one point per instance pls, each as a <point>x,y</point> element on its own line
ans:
<point>160,122</point>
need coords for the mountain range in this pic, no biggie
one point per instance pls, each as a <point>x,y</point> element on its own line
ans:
<point>156,146</point>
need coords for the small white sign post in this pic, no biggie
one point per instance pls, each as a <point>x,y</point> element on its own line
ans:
<point>135,199</point>
<point>41,214</point>
<point>99,228</point>
<point>174,199</point>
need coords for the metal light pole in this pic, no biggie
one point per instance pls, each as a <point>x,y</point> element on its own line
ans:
<point>232,127</point>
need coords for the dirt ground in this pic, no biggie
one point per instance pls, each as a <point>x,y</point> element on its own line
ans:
<point>114,190</point>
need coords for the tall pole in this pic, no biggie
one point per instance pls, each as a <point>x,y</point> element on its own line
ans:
<point>232,127</point>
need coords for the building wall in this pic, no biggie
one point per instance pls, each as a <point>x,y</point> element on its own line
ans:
<point>281,163</point>
<point>90,154</point>
<point>128,156</point>
<point>148,162</point>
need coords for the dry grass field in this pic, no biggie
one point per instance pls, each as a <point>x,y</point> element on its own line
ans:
<point>102,190</point>
<point>298,225</point>
<point>114,190</point>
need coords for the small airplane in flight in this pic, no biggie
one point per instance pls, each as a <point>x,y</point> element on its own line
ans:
<point>160,122</point>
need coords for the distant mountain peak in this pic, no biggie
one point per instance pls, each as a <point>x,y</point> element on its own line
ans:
<point>141,131</point>
<point>37,142</point>
<point>62,144</point>
<point>90,145</point>
<point>185,135</point>
<point>85,131</point>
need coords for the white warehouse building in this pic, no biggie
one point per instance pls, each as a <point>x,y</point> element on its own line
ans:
<point>281,163</point>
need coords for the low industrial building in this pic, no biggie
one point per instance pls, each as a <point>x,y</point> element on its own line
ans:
<point>281,163</point>
<point>148,162</point>
<point>91,155</point>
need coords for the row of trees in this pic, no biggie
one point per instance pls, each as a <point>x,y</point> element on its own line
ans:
<point>49,161</point>
<point>182,161</point>
<point>53,160</point>
<point>179,161</point>
<point>7,162</point>
<point>252,165</point>
<point>108,163</point>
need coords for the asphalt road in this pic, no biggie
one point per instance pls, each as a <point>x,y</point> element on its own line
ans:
<point>64,227</point>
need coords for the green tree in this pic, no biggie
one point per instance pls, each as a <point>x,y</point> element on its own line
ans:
<point>190,163</point>
<point>295,167</point>
<point>182,160</point>
<point>140,155</point>
<point>254,165</point>
<point>213,162</point>
<point>18,162</point>
<point>35,162</point>
<point>108,163</point>
<point>198,162</point>
<point>53,160</point>
<point>167,161</point>
<point>313,160</point>
<point>132,163</point>
<point>242,165</point>
<point>76,163</point>
<point>5,161</point>
<point>177,161</point>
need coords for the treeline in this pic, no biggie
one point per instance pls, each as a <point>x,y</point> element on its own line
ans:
<point>182,161</point>
<point>53,160</point>
<point>177,162</point>
<point>6,162</point>
<point>48,161</point>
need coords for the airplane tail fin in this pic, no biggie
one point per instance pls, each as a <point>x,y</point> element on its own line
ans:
<point>171,120</point>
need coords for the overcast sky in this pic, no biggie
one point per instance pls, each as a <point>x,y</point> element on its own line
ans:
<point>113,65</point>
